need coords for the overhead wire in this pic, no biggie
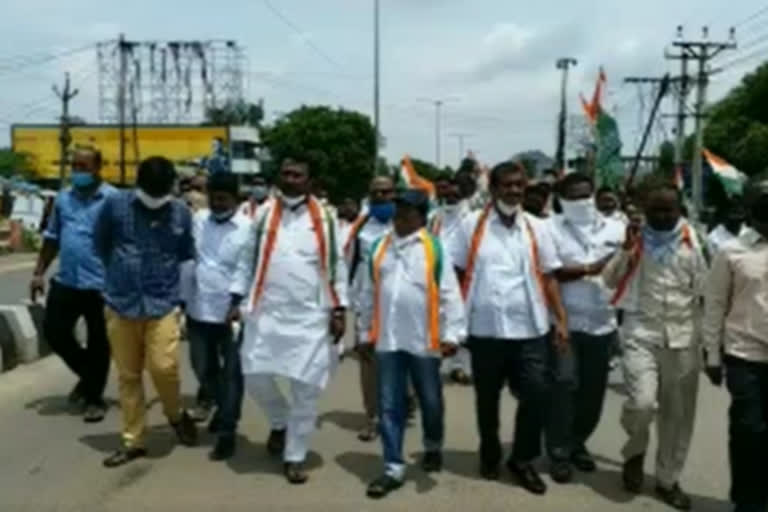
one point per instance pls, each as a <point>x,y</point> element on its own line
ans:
<point>302,35</point>
<point>38,60</point>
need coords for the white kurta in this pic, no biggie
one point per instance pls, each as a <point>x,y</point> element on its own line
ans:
<point>287,333</point>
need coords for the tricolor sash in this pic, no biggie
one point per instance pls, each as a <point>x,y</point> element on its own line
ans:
<point>324,229</point>
<point>433,254</point>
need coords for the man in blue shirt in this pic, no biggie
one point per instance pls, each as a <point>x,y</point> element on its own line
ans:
<point>143,236</point>
<point>75,290</point>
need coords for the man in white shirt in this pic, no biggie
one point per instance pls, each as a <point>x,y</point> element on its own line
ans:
<point>295,281</point>
<point>657,277</point>
<point>585,241</point>
<point>736,326</point>
<point>731,227</point>
<point>411,314</point>
<point>444,222</point>
<point>220,236</point>
<point>259,194</point>
<point>364,232</point>
<point>348,211</point>
<point>506,259</point>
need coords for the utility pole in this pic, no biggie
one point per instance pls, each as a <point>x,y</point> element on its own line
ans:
<point>438,104</point>
<point>564,65</point>
<point>460,138</point>
<point>701,51</point>
<point>663,88</point>
<point>376,83</point>
<point>65,138</point>
<point>122,47</point>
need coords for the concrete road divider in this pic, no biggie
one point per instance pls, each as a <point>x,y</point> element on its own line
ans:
<point>8,357</point>
<point>24,332</point>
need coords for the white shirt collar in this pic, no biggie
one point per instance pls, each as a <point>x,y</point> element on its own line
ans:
<point>401,242</point>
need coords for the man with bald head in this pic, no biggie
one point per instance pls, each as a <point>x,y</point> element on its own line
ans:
<point>75,290</point>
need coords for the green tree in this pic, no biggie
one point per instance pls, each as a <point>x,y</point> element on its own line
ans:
<point>667,158</point>
<point>13,163</point>
<point>338,143</point>
<point>240,113</point>
<point>738,125</point>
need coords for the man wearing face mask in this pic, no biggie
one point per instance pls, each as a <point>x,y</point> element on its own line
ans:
<point>506,259</point>
<point>657,278</point>
<point>586,240</point>
<point>608,204</point>
<point>76,289</point>
<point>143,236</point>
<point>732,226</point>
<point>220,235</point>
<point>294,281</point>
<point>357,245</point>
<point>444,223</point>
<point>736,339</point>
<point>259,196</point>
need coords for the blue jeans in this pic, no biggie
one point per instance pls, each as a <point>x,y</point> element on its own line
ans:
<point>215,359</point>
<point>393,370</point>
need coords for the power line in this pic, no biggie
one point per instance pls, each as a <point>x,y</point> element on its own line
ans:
<point>751,17</point>
<point>43,59</point>
<point>301,34</point>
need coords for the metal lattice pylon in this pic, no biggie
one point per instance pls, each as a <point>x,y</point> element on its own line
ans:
<point>169,81</point>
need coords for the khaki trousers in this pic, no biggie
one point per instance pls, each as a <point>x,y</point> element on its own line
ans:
<point>662,383</point>
<point>139,343</point>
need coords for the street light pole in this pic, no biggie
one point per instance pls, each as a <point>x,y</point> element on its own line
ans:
<point>376,86</point>
<point>438,104</point>
<point>564,65</point>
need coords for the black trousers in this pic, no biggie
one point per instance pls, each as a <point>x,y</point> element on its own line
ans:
<point>579,382</point>
<point>63,308</point>
<point>521,364</point>
<point>748,432</point>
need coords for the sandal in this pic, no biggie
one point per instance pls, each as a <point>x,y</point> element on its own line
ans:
<point>382,486</point>
<point>124,456</point>
<point>369,433</point>
<point>294,473</point>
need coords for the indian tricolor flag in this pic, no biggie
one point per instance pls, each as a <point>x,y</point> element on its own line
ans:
<point>411,179</point>
<point>731,178</point>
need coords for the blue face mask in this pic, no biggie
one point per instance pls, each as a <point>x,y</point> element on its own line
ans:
<point>82,179</point>
<point>383,212</point>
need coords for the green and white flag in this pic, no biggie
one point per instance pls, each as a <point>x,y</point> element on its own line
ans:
<point>731,178</point>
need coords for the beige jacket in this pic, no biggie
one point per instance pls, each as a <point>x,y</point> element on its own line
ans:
<point>661,301</point>
<point>736,317</point>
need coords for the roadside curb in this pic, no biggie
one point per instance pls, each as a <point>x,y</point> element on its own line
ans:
<point>22,340</point>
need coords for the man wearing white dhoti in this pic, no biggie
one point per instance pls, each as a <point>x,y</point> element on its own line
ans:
<point>291,283</point>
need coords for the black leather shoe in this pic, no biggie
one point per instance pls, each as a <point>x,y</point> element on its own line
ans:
<point>561,471</point>
<point>294,473</point>
<point>124,456</point>
<point>528,477</point>
<point>382,486</point>
<point>186,430</point>
<point>632,474</point>
<point>276,443</point>
<point>583,461</point>
<point>224,449</point>
<point>674,497</point>
<point>489,471</point>
<point>432,462</point>
<point>77,395</point>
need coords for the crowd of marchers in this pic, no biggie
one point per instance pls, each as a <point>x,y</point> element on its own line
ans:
<point>535,288</point>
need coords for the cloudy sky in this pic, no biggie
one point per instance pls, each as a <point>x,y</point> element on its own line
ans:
<point>495,59</point>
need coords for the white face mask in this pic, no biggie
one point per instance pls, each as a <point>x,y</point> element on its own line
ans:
<point>450,208</point>
<point>580,211</point>
<point>153,203</point>
<point>507,210</point>
<point>292,202</point>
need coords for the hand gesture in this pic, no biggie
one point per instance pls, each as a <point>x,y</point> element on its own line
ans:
<point>338,325</point>
<point>715,375</point>
<point>448,349</point>
<point>633,234</point>
<point>36,287</point>
<point>562,337</point>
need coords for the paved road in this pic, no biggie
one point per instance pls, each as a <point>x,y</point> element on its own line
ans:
<point>51,461</point>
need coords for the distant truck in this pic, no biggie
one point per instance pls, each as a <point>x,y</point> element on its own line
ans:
<point>190,147</point>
